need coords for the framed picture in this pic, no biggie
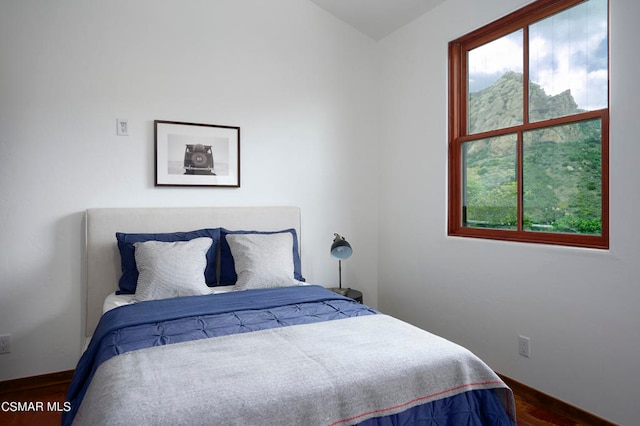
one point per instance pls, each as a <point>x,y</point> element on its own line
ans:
<point>192,154</point>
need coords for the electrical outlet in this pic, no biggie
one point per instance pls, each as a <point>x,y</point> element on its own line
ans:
<point>524,346</point>
<point>5,344</point>
<point>123,127</point>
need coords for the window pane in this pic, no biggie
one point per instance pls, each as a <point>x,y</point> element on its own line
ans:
<point>495,99</point>
<point>490,184</point>
<point>568,62</point>
<point>562,175</point>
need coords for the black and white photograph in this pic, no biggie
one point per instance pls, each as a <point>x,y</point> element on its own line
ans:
<point>193,154</point>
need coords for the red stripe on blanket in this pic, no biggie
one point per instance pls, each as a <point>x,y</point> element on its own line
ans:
<point>414,401</point>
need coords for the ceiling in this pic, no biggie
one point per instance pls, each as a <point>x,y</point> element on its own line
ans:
<point>377,18</point>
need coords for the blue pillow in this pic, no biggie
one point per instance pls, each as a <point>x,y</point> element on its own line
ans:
<point>129,278</point>
<point>227,267</point>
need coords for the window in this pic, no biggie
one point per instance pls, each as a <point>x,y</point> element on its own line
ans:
<point>529,126</point>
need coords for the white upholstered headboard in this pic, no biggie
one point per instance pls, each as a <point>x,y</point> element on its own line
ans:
<point>103,258</point>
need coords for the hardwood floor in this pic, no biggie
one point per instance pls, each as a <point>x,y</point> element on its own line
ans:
<point>529,414</point>
<point>532,407</point>
<point>45,389</point>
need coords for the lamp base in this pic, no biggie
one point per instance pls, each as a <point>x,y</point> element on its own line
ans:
<point>342,291</point>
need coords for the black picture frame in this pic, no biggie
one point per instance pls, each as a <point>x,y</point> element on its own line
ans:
<point>196,154</point>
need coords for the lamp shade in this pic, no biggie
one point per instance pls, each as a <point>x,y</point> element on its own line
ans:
<point>341,249</point>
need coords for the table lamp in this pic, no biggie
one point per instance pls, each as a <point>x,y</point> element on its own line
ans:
<point>340,249</point>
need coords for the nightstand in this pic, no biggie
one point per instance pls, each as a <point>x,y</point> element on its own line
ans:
<point>349,292</point>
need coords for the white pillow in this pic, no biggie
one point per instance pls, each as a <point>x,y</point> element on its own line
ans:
<point>262,260</point>
<point>171,269</point>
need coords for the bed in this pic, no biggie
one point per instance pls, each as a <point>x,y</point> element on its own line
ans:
<point>203,316</point>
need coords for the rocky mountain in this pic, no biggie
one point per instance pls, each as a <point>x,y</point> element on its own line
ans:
<point>500,105</point>
<point>561,164</point>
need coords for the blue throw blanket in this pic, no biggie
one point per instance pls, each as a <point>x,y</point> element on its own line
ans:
<point>167,321</point>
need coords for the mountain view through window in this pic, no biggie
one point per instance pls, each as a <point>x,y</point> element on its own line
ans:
<point>534,134</point>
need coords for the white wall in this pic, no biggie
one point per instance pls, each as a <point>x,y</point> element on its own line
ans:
<point>579,307</point>
<point>301,85</point>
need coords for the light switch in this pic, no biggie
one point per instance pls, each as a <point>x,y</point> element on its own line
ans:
<point>123,127</point>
